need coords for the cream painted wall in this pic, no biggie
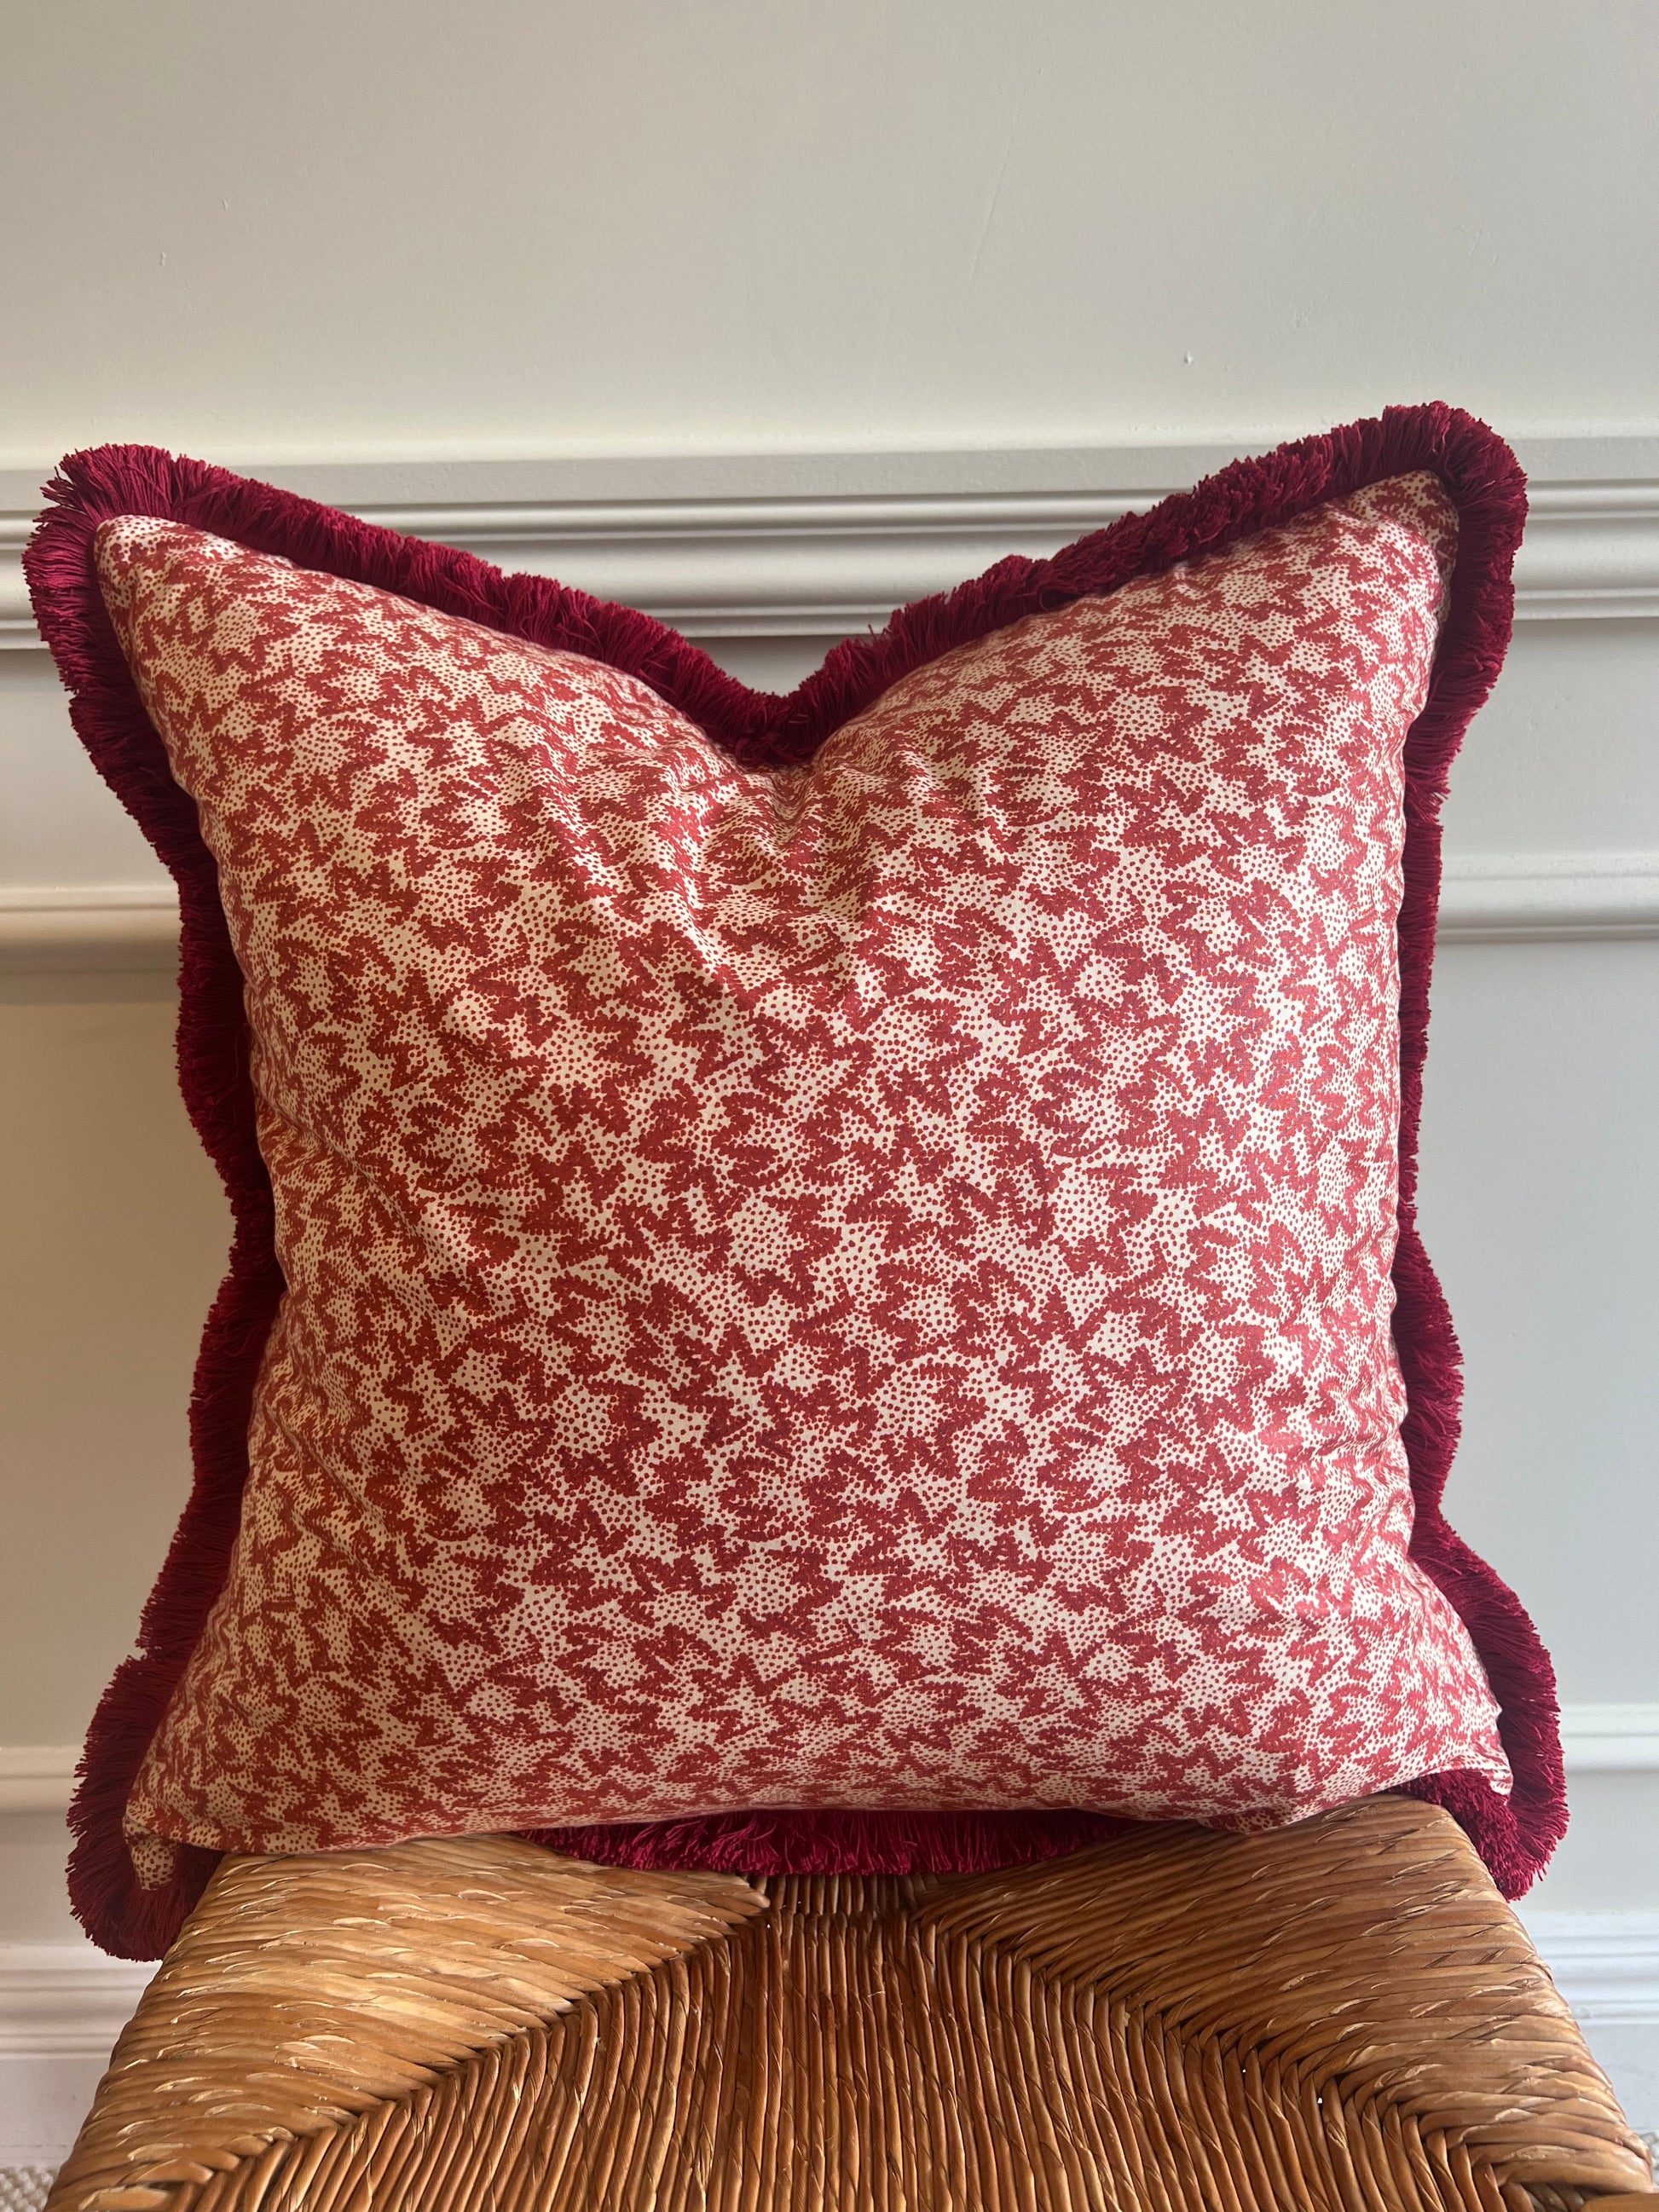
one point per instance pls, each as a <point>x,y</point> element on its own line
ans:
<point>396,224</point>
<point>115,1238</point>
<point>351,229</point>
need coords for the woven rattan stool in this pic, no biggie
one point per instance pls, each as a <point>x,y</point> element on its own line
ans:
<point>1343,2015</point>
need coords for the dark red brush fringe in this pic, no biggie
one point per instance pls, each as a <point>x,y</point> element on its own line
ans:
<point>1515,1835</point>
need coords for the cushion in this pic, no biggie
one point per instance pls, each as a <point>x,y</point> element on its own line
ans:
<point>820,1283</point>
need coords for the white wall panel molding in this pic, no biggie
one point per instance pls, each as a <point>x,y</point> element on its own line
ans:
<point>49,929</point>
<point>818,544</point>
<point>1486,898</point>
<point>36,1777</point>
<point>1591,551</point>
<point>1616,1739</point>
<point>1606,1965</point>
<point>1520,897</point>
<point>58,1998</point>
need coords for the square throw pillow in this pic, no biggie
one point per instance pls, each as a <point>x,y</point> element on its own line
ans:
<point>823,1282</point>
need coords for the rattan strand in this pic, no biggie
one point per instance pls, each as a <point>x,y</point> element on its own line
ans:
<point>1340,2017</point>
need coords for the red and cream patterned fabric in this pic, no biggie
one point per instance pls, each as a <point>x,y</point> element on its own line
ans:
<point>866,1284</point>
<point>820,1283</point>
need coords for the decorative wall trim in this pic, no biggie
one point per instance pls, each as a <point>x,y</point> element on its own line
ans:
<point>36,1777</point>
<point>796,544</point>
<point>1488,898</point>
<point>58,1998</point>
<point>48,929</point>
<point>1617,1739</point>
<point>1606,1965</point>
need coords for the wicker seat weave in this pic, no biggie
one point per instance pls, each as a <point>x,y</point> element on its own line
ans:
<point>1343,2015</point>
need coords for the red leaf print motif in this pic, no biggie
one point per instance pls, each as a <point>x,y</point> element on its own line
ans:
<point>863,1283</point>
